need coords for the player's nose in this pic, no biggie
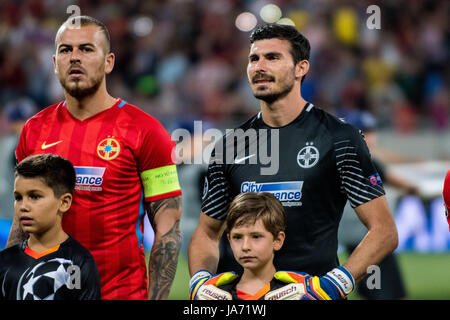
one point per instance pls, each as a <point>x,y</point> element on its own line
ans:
<point>75,56</point>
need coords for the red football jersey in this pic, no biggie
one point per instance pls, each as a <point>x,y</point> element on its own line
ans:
<point>446,196</point>
<point>122,157</point>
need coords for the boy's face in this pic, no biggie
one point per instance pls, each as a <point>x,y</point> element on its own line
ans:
<point>36,206</point>
<point>253,246</point>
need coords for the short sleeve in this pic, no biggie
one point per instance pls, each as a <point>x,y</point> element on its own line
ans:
<point>21,146</point>
<point>90,281</point>
<point>216,190</point>
<point>358,176</point>
<point>156,165</point>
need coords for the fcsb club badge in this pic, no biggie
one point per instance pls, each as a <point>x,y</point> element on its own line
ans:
<point>108,148</point>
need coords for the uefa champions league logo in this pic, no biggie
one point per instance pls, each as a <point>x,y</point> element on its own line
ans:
<point>45,279</point>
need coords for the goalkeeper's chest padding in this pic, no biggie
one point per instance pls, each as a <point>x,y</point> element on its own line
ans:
<point>240,295</point>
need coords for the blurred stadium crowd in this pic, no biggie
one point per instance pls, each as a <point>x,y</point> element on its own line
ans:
<point>186,58</point>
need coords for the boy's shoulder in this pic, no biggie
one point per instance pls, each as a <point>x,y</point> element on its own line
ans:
<point>74,248</point>
<point>12,250</point>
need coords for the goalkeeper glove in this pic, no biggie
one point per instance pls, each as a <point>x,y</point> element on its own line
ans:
<point>204,286</point>
<point>335,285</point>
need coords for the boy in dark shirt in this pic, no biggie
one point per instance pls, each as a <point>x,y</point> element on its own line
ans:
<point>49,265</point>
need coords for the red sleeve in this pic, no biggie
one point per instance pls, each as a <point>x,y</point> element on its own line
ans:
<point>446,196</point>
<point>155,148</point>
<point>155,163</point>
<point>21,146</point>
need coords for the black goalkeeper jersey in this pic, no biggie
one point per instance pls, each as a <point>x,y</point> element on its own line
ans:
<point>322,162</point>
<point>67,272</point>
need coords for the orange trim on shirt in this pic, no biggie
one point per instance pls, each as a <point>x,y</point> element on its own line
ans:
<point>245,296</point>
<point>37,255</point>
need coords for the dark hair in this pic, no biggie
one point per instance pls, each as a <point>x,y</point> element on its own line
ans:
<point>83,21</point>
<point>300,47</point>
<point>56,172</point>
<point>249,207</point>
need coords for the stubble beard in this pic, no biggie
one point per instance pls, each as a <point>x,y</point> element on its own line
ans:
<point>271,96</point>
<point>76,89</point>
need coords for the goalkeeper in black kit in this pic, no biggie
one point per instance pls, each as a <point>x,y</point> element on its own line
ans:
<point>255,229</point>
<point>317,163</point>
<point>49,265</point>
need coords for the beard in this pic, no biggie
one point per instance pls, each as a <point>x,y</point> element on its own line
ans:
<point>270,96</point>
<point>77,89</point>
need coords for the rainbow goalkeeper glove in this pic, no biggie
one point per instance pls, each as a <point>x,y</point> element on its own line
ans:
<point>204,286</point>
<point>335,285</point>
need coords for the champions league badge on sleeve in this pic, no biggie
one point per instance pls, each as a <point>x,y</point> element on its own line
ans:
<point>375,179</point>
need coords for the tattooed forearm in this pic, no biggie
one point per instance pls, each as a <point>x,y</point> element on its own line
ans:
<point>163,262</point>
<point>168,203</point>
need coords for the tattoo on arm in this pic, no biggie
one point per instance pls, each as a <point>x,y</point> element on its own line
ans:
<point>164,256</point>
<point>168,203</point>
<point>163,262</point>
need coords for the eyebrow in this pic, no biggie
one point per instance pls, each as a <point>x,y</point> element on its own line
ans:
<point>271,53</point>
<point>80,45</point>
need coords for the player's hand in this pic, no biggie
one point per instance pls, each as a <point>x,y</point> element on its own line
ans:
<point>197,280</point>
<point>205,287</point>
<point>335,285</point>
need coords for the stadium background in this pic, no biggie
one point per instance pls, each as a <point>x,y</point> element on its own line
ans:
<point>185,60</point>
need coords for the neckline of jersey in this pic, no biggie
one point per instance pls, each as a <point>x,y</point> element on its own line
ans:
<point>247,296</point>
<point>116,104</point>
<point>307,107</point>
<point>37,255</point>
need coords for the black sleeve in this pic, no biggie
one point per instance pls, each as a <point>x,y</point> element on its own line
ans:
<point>90,280</point>
<point>359,178</point>
<point>216,190</point>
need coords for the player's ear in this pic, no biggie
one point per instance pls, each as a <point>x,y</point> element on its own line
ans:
<point>65,202</point>
<point>301,68</point>
<point>109,62</point>
<point>54,64</point>
<point>278,241</point>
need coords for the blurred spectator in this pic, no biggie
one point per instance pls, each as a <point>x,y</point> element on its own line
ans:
<point>352,231</point>
<point>17,112</point>
<point>184,56</point>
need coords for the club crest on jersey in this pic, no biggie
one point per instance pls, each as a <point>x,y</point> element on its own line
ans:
<point>108,149</point>
<point>308,156</point>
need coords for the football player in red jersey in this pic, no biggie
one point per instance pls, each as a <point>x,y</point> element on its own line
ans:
<point>122,157</point>
<point>446,195</point>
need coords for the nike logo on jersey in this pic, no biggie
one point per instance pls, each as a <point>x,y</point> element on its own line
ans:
<point>45,146</point>
<point>243,159</point>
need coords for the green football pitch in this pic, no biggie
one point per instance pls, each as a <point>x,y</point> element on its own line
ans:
<point>426,276</point>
